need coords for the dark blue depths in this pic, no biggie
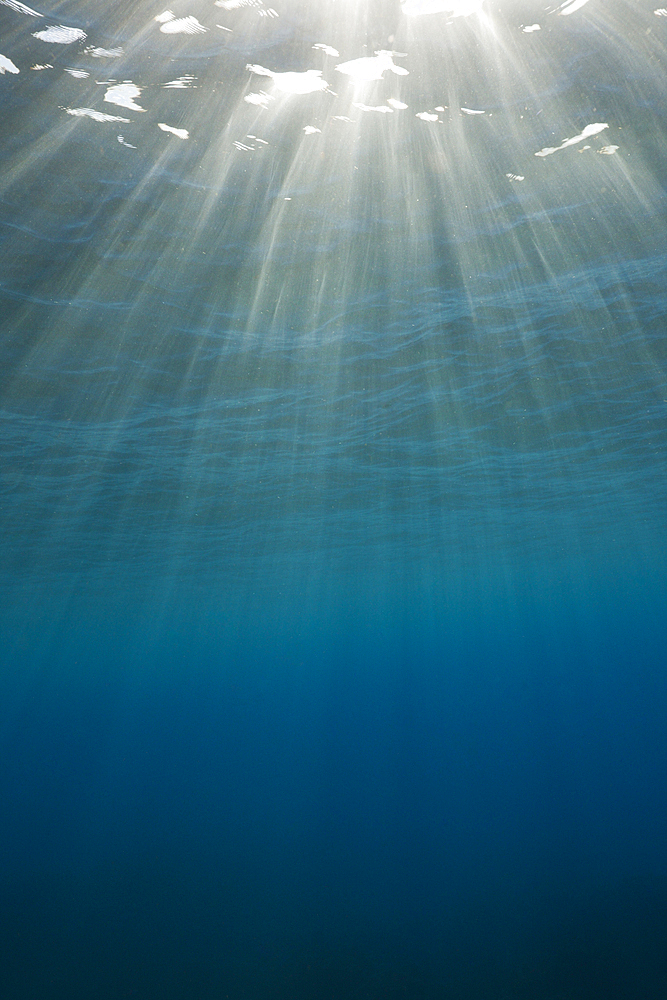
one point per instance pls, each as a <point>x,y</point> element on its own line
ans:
<point>464,808</point>
<point>332,568</point>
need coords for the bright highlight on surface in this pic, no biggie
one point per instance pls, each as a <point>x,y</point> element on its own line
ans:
<point>123,95</point>
<point>587,132</point>
<point>369,68</point>
<point>171,25</point>
<point>20,8</point>
<point>97,116</point>
<point>181,133</point>
<point>7,66</point>
<point>60,35</point>
<point>308,82</point>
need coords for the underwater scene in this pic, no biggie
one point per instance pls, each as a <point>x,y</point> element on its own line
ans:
<point>333,500</point>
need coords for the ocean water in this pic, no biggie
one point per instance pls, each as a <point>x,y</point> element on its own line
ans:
<point>333,591</point>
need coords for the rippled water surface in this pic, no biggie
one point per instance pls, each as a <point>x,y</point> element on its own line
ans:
<point>333,425</point>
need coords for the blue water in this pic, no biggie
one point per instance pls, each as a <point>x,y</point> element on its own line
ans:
<point>333,586</point>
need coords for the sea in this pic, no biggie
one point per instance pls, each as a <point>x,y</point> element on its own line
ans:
<point>333,500</point>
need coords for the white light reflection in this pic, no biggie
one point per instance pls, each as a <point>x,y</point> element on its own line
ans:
<point>21,8</point>
<point>181,133</point>
<point>98,52</point>
<point>308,82</point>
<point>60,35</point>
<point>369,68</point>
<point>594,129</point>
<point>181,25</point>
<point>97,116</point>
<point>123,95</point>
<point>7,66</point>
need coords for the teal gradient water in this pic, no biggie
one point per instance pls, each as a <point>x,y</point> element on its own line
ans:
<point>332,486</point>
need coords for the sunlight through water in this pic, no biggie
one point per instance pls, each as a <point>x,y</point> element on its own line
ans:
<point>333,480</point>
<point>335,243</point>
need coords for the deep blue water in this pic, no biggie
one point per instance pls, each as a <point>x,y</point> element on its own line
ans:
<point>333,592</point>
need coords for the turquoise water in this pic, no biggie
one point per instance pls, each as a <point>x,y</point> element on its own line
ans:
<point>332,472</point>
